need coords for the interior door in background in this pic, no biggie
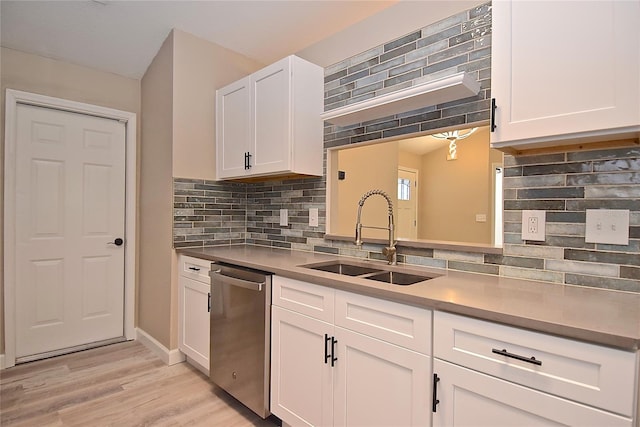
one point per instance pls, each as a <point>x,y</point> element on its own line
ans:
<point>70,205</point>
<point>407,211</point>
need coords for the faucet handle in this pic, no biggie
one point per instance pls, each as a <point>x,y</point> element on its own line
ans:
<point>390,253</point>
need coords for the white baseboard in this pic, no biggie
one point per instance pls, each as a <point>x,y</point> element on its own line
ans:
<point>1,362</point>
<point>170,357</point>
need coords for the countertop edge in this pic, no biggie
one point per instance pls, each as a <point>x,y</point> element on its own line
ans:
<point>606,338</point>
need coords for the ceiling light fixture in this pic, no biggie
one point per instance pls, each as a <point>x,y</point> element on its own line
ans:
<point>453,136</point>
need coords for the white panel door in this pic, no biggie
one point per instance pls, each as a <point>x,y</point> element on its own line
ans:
<point>407,212</point>
<point>271,117</point>
<point>70,193</point>
<point>380,384</point>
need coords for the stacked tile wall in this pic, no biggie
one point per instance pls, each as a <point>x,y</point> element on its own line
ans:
<point>264,201</point>
<point>207,213</point>
<point>563,184</point>
<point>460,43</point>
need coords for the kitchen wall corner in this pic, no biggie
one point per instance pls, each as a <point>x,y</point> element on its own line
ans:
<point>563,183</point>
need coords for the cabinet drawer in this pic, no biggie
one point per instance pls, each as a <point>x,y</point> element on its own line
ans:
<point>396,323</point>
<point>305,298</point>
<point>469,398</point>
<point>599,376</point>
<point>195,268</point>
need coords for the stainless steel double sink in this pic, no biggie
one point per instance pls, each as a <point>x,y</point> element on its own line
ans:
<point>388,275</point>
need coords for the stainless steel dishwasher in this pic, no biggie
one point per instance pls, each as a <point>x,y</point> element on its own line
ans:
<point>239,361</point>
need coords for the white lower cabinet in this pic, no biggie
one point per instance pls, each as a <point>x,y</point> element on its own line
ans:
<point>327,375</point>
<point>496,375</point>
<point>301,381</point>
<point>194,302</point>
<point>470,398</point>
<point>379,384</point>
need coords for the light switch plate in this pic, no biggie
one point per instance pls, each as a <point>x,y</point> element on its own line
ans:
<point>608,226</point>
<point>313,217</point>
<point>534,225</point>
<point>284,217</point>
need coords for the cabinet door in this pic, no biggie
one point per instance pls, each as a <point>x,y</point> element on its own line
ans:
<point>469,398</point>
<point>380,384</point>
<point>301,381</point>
<point>562,70</point>
<point>233,128</point>
<point>271,118</point>
<point>193,334</point>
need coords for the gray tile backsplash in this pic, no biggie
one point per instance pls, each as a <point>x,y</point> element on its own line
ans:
<point>458,43</point>
<point>564,184</point>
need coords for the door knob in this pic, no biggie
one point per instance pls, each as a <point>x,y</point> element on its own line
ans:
<point>118,242</point>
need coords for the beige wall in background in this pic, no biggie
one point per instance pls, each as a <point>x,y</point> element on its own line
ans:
<point>367,168</point>
<point>453,192</point>
<point>199,68</point>
<point>156,197</point>
<point>36,74</point>
<point>390,23</point>
<point>178,140</point>
<point>409,160</point>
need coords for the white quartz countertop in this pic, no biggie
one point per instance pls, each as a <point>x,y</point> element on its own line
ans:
<point>599,316</point>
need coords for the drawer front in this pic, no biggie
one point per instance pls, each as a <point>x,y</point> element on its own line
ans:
<point>305,298</point>
<point>195,268</point>
<point>396,323</point>
<point>599,376</point>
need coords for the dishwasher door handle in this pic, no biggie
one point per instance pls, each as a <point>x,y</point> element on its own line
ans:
<point>254,286</point>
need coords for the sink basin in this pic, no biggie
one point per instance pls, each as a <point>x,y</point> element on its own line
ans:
<point>344,268</point>
<point>398,278</point>
<point>368,272</point>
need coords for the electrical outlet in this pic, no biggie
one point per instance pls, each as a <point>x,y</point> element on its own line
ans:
<point>533,225</point>
<point>608,226</point>
<point>313,217</point>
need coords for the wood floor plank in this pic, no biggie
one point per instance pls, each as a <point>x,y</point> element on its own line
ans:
<point>121,384</point>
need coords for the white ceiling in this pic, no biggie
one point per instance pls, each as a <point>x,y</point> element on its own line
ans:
<point>123,36</point>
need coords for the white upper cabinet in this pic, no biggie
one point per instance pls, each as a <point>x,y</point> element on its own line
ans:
<point>233,126</point>
<point>269,122</point>
<point>565,72</point>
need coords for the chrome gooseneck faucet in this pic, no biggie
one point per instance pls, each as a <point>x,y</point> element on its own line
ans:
<point>389,251</point>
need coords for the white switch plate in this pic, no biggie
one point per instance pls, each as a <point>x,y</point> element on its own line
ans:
<point>534,225</point>
<point>609,226</point>
<point>481,218</point>
<point>313,217</point>
<point>284,217</point>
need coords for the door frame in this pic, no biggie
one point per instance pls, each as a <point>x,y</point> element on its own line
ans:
<point>13,99</point>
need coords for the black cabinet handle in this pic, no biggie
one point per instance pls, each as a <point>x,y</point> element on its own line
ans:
<point>333,351</point>
<point>209,302</point>
<point>247,160</point>
<point>435,401</point>
<point>504,352</point>
<point>327,356</point>
<point>493,114</point>
<point>194,268</point>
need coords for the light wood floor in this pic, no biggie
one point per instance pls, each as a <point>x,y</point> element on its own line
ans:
<point>117,385</point>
